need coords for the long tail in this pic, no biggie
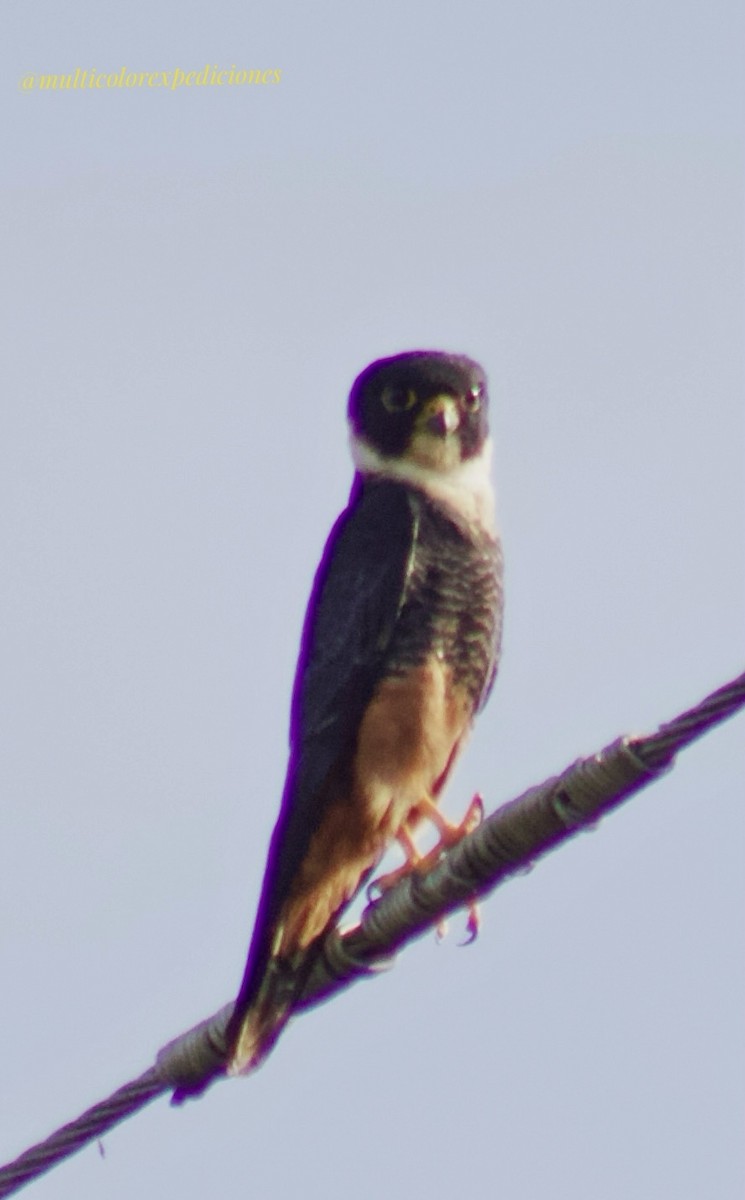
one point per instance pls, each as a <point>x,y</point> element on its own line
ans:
<point>253,1032</point>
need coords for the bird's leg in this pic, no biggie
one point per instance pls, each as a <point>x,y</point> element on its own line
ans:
<point>413,862</point>
<point>449,835</point>
<point>413,858</point>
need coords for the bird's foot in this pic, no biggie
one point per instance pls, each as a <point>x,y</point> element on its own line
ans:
<point>385,882</point>
<point>450,833</point>
<point>441,930</point>
<point>473,924</point>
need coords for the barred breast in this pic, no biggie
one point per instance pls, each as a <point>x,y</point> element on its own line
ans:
<point>453,601</point>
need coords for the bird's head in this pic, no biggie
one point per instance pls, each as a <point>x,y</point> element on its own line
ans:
<point>424,408</point>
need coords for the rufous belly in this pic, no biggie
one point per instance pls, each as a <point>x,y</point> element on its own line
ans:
<point>407,742</point>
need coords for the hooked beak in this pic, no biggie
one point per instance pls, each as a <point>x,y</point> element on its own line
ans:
<point>439,416</point>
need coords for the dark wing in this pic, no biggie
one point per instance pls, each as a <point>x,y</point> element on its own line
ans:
<point>357,595</point>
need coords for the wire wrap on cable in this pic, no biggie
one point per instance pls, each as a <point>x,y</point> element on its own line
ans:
<point>506,843</point>
<point>196,1056</point>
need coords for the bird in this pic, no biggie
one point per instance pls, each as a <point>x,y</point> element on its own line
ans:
<point>398,654</point>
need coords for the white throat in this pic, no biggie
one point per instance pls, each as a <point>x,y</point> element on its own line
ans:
<point>465,488</point>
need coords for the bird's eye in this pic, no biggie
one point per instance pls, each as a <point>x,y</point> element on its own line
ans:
<point>473,399</point>
<point>398,399</point>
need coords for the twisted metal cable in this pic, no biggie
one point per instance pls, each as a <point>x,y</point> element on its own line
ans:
<point>506,843</point>
<point>659,748</point>
<point>86,1128</point>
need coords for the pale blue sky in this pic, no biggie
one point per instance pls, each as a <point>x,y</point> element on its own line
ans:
<point>191,281</point>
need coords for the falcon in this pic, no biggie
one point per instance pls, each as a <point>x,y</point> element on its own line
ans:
<point>398,654</point>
